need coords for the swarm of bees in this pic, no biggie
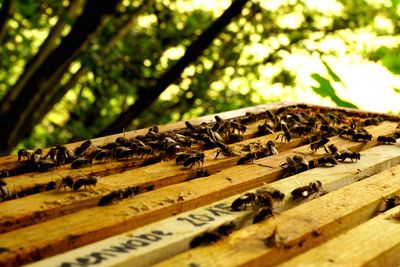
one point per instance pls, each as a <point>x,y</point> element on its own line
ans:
<point>261,201</point>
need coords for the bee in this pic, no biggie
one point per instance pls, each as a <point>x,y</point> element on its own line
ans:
<point>85,181</point>
<point>225,150</point>
<point>307,190</point>
<point>81,162</point>
<point>370,121</point>
<point>234,125</point>
<point>300,130</point>
<point>347,154</point>
<point>286,133</point>
<point>318,144</point>
<point>363,136</point>
<point>189,126</point>
<point>322,118</point>
<point>4,173</point>
<point>386,139</point>
<point>301,163</point>
<point>325,161</point>
<point>262,214</point>
<point>247,198</point>
<point>202,173</point>
<point>121,152</point>
<point>250,157</point>
<point>4,193</point>
<point>212,236</point>
<point>332,149</point>
<point>118,195</point>
<point>79,150</point>
<point>50,186</point>
<point>196,159</point>
<point>64,155</point>
<point>144,150</point>
<point>391,202</point>
<point>264,129</point>
<point>334,119</point>
<point>396,134</point>
<point>103,154</point>
<point>329,130</point>
<point>272,148</point>
<point>44,164</point>
<point>24,154</point>
<point>265,196</point>
<point>51,154</point>
<point>66,182</point>
<point>347,132</point>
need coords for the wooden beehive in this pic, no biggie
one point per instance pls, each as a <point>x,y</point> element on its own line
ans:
<point>345,222</point>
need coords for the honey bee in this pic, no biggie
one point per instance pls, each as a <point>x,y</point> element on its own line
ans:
<point>325,161</point>
<point>85,181</point>
<point>118,195</point>
<point>66,182</point>
<point>347,154</point>
<point>319,144</point>
<point>79,150</point>
<point>307,190</point>
<point>225,150</point>
<point>332,149</point>
<point>362,136</point>
<point>24,154</point>
<point>391,202</point>
<point>247,198</point>
<point>196,159</point>
<point>386,139</point>
<point>264,129</point>
<point>250,157</point>
<point>262,214</point>
<point>81,162</point>
<point>286,133</point>
<point>4,193</point>
<point>272,148</point>
<point>213,236</point>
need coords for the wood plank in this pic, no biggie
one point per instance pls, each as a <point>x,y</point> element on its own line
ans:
<point>184,227</point>
<point>299,229</point>
<point>373,243</point>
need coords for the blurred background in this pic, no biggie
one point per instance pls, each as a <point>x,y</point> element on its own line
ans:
<point>75,69</point>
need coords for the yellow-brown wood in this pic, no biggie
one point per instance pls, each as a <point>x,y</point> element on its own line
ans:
<point>182,230</point>
<point>373,243</point>
<point>298,229</point>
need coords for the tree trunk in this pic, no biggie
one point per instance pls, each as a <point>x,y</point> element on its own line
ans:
<point>38,58</point>
<point>193,51</point>
<point>59,91</point>
<point>5,13</point>
<point>16,122</point>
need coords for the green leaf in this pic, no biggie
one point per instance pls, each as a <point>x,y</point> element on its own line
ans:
<point>325,89</point>
<point>331,73</point>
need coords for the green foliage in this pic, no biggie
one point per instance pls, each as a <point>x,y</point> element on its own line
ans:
<point>252,50</point>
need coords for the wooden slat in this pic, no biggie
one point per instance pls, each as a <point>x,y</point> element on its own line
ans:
<point>373,243</point>
<point>300,228</point>
<point>184,227</point>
